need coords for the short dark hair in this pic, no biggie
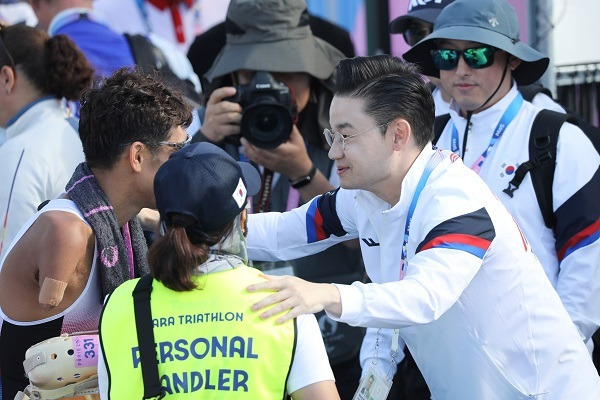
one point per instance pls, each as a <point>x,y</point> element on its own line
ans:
<point>128,107</point>
<point>391,88</point>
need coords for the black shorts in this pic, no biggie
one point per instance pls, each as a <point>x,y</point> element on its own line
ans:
<point>14,342</point>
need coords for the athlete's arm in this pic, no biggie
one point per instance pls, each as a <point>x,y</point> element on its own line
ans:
<point>64,254</point>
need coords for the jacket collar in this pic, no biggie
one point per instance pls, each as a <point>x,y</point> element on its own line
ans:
<point>30,112</point>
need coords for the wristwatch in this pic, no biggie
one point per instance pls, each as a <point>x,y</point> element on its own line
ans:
<point>304,180</point>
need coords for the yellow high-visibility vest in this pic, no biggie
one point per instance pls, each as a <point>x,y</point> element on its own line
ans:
<point>209,344</point>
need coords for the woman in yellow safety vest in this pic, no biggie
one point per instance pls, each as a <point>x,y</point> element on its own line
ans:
<point>193,334</point>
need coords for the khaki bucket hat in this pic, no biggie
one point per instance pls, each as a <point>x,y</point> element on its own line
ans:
<point>274,36</point>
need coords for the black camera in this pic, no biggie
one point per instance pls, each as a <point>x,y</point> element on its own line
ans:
<point>267,110</point>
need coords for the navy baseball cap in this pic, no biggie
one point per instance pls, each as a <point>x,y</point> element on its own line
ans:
<point>204,182</point>
<point>423,10</point>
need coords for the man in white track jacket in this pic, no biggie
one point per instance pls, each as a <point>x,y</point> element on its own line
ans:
<point>451,271</point>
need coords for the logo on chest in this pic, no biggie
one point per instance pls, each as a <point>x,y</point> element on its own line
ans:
<point>370,242</point>
<point>508,169</point>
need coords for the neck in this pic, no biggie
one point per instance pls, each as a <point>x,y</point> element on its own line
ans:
<point>24,94</point>
<point>121,200</point>
<point>66,4</point>
<point>57,7</point>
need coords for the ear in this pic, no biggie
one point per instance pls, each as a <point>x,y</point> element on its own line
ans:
<point>136,154</point>
<point>7,79</point>
<point>513,62</point>
<point>400,133</point>
<point>244,221</point>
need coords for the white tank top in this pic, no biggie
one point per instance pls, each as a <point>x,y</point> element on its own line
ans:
<point>84,313</point>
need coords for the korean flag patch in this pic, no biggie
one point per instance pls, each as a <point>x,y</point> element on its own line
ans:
<point>240,194</point>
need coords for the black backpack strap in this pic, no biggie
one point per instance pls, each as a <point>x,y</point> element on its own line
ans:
<point>150,59</point>
<point>146,56</point>
<point>145,336</point>
<point>438,126</point>
<point>543,140</point>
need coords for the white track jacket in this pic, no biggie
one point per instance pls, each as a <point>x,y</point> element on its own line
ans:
<point>475,307</point>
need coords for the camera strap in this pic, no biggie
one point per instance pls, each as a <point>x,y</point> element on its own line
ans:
<point>265,190</point>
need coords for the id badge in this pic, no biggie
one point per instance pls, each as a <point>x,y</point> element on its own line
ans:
<point>375,385</point>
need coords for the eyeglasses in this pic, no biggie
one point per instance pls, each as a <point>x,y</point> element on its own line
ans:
<point>475,57</point>
<point>414,34</point>
<point>4,49</point>
<point>340,139</point>
<point>177,145</point>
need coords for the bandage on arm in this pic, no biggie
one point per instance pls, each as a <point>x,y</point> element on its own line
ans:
<point>51,292</point>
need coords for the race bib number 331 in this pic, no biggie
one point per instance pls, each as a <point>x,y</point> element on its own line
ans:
<point>85,349</point>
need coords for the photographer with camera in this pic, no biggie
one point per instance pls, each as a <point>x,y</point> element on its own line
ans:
<point>269,92</point>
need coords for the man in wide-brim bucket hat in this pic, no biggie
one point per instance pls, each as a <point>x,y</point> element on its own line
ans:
<point>491,22</point>
<point>273,36</point>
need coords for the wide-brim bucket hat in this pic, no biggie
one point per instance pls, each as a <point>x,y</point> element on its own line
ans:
<point>274,36</point>
<point>491,22</point>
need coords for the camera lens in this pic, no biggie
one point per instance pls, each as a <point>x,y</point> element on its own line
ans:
<point>266,125</point>
<point>265,121</point>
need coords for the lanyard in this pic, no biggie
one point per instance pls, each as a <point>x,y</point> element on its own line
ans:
<point>435,159</point>
<point>141,4</point>
<point>510,113</point>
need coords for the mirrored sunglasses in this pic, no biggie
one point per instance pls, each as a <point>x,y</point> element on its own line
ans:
<point>475,57</point>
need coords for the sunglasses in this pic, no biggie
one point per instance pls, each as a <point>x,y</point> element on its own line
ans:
<point>414,34</point>
<point>475,57</point>
<point>173,145</point>
<point>177,145</point>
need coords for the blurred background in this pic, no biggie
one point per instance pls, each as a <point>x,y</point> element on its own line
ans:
<point>565,30</point>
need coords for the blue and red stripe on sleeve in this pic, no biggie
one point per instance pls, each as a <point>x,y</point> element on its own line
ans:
<point>471,232</point>
<point>578,219</point>
<point>322,220</point>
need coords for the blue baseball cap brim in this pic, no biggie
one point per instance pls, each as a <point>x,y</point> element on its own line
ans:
<point>204,182</point>
<point>400,24</point>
